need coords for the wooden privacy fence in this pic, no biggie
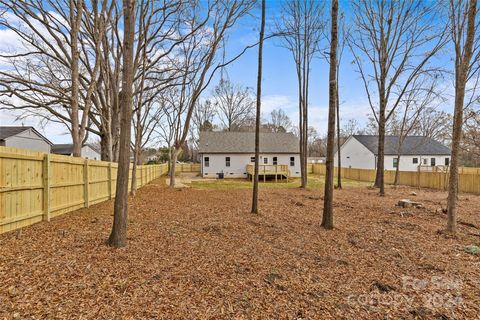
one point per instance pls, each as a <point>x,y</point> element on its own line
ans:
<point>469,179</point>
<point>36,186</point>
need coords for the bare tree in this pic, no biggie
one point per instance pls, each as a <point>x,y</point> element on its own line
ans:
<point>422,97</point>
<point>466,41</point>
<point>234,104</point>
<point>144,121</point>
<point>279,121</point>
<point>203,47</point>
<point>388,43</point>
<point>327,220</point>
<point>202,120</point>
<point>301,27</point>
<point>118,237</point>
<point>258,112</point>
<point>76,11</point>
<point>43,72</point>
<point>471,139</point>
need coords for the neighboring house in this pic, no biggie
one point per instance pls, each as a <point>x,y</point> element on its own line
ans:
<point>230,153</point>
<point>24,138</point>
<point>88,151</point>
<point>315,159</point>
<point>360,151</point>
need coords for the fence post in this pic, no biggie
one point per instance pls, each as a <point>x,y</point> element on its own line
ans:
<point>46,187</point>
<point>86,183</point>
<point>109,180</point>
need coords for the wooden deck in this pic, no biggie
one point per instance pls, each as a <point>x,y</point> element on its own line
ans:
<point>279,171</point>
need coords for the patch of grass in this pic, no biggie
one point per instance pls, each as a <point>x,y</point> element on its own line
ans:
<point>314,182</point>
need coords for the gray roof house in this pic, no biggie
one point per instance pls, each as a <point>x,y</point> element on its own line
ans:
<point>412,145</point>
<point>24,138</point>
<point>88,151</point>
<point>232,153</point>
<point>360,151</point>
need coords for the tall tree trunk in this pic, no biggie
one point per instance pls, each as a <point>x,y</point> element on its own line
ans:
<point>105,148</point>
<point>397,171</point>
<point>258,112</point>
<point>462,66</point>
<point>118,237</point>
<point>136,153</point>
<point>327,221</point>
<point>339,160</point>
<point>173,165</point>
<point>379,179</point>
<point>76,8</point>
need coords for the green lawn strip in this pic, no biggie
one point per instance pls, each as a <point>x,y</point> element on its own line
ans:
<point>314,182</point>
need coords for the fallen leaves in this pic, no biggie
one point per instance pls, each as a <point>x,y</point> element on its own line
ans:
<point>201,254</point>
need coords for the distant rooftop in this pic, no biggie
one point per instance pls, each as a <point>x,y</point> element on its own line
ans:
<point>412,145</point>
<point>244,142</point>
<point>67,148</point>
<point>10,131</point>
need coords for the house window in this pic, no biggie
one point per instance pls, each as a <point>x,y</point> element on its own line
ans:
<point>395,162</point>
<point>292,161</point>
<point>227,161</point>
<point>432,162</point>
<point>206,160</point>
<point>415,160</point>
<point>447,161</point>
<point>252,159</point>
<point>275,161</point>
<point>265,160</point>
<point>425,161</point>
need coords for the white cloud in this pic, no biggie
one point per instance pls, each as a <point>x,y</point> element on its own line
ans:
<point>272,102</point>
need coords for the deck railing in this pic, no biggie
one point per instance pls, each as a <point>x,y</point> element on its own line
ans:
<point>266,169</point>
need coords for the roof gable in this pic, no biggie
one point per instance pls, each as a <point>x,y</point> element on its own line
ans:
<point>244,142</point>
<point>412,145</point>
<point>10,131</point>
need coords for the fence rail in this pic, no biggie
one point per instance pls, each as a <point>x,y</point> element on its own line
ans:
<point>469,178</point>
<point>37,186</point>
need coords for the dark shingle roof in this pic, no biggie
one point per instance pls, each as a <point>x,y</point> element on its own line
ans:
<point>412,145</point>
<point>7,132</point>
<point>244,142</point>
<point>10,131</point>
<point>65,149</point>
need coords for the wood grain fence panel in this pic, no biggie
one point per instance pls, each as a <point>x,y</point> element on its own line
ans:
<point>35,186</point>
<point>469,178</point>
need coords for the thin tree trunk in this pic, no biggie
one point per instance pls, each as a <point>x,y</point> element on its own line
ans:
<point>75,20</point>
<point>118,237</point>
<point>379,179</point>
<point>136,162</point>
<point>339,160</point>
<point>258,112</point>
<point>462,65</point>
<point>397,171</point>
<point>327,220</point>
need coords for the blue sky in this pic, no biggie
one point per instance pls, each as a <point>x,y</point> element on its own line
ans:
<point>279,79</point>
<point>279,82</point>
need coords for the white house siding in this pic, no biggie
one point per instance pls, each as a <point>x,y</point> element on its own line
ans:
<point>238,164</point>
<point>355,155</point>
<point>28,139</point>
<point>406,162</point>
<point>89,153</point>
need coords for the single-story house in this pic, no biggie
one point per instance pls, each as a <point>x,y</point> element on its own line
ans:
<point>360,151</point>
<point>24,138</point>
<point>233,153</point>
<point>87,152</point>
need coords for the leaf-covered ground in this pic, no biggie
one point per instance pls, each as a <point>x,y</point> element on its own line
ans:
<point>199,254</point>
